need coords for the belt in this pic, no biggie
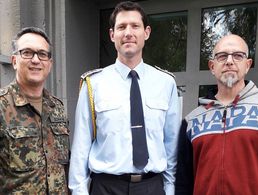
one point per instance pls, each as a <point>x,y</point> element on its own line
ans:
<point>126,177</point>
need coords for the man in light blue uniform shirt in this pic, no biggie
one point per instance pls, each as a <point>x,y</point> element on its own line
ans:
<point>107,159</point>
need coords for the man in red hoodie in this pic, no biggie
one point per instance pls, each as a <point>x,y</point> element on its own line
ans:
<point>218,145</point>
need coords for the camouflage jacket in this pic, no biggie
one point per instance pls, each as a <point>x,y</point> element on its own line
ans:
<point>34,148</point>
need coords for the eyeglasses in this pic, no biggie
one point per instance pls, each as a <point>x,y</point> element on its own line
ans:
<point>236,56</point>
<point>29,54</point>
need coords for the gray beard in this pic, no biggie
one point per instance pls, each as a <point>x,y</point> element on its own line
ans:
<point>229,80</point>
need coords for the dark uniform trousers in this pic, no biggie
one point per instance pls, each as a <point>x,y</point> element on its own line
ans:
<point>106,184</point>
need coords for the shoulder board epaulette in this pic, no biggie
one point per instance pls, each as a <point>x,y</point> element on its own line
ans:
<point>56,98</point>
<point>3,91</point>
<point>166,71</point>
<point>90,72</point>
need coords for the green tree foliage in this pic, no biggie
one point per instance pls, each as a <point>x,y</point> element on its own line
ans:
<point>217,22</point>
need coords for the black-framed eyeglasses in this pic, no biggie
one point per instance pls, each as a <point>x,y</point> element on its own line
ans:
<point>29,54</point>
<point>236,56</point>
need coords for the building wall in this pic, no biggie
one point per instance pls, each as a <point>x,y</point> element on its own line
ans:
<point>82,47</point>
<point>9,15</point>
<point>73,27</point>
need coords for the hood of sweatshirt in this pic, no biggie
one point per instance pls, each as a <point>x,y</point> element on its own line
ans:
<point>249,90</point>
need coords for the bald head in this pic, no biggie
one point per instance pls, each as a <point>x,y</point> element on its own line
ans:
<point>230,64</point>
<point>231,43</point>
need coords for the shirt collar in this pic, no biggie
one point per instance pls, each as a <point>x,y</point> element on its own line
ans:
<point>124,69</point>
<point>21,100</point>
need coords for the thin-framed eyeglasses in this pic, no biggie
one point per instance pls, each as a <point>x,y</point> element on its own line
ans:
<point>29,54</point>
<point>237,56</point>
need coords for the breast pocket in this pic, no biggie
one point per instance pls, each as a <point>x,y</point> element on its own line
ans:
<point>23,148</point>
<point>110,115</point>
<point>61,142</point>
<point>155,113</point>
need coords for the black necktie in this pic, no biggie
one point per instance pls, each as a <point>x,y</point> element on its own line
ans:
<point>140,151</point>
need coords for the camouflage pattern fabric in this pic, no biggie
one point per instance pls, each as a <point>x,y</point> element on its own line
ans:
<point>34,148</point>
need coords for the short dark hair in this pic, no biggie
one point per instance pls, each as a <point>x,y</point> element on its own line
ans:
<point>127,6</point>
<point>26,30</point>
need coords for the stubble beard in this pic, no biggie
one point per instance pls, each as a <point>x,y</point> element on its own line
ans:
<point>229,79</point>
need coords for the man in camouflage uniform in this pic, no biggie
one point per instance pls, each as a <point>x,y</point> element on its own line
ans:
<point>34,136</point>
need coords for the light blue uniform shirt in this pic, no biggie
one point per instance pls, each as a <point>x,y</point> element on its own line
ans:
<point>111,152</point>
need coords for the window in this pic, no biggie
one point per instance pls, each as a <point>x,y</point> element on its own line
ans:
<point>166,46</point>
<point>219,21</point>
<point>207,90</point>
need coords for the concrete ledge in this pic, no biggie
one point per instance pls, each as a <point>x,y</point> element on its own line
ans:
<point>5,60</point>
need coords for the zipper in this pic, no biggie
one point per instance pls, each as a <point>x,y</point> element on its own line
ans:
<point>224,120</point>
<point>224,117</point>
